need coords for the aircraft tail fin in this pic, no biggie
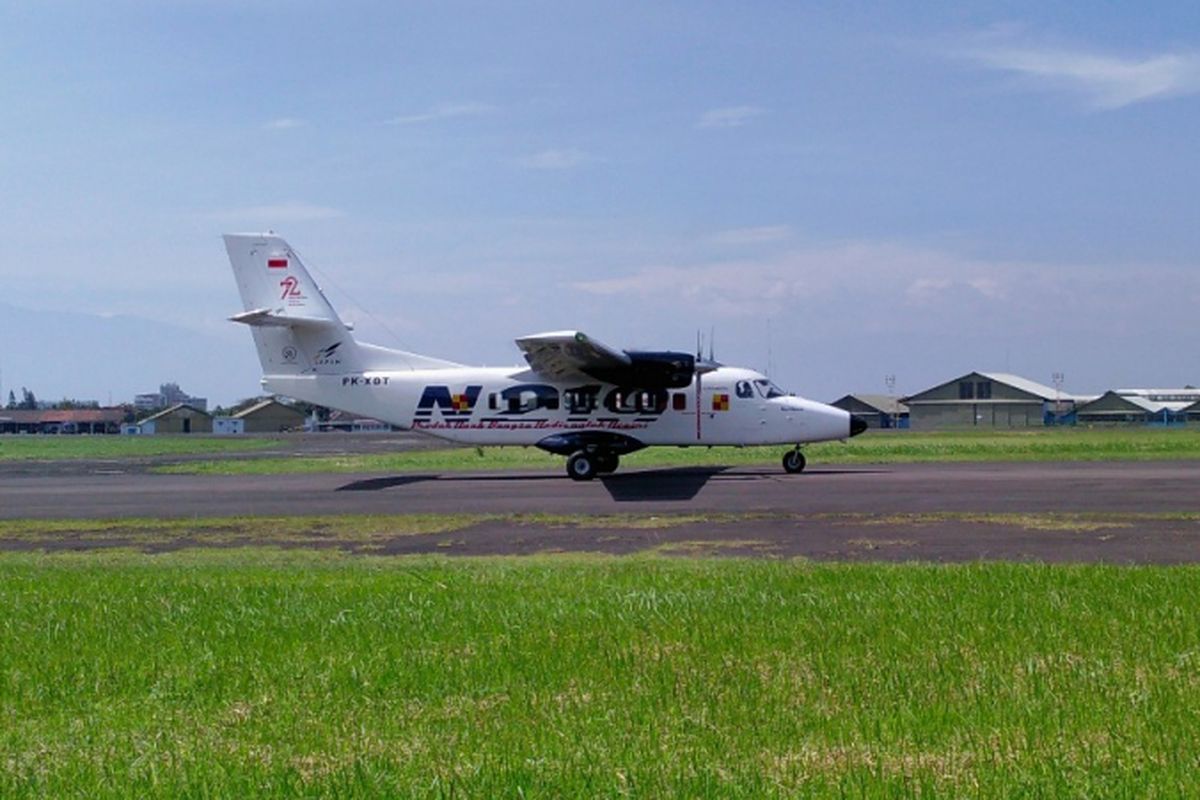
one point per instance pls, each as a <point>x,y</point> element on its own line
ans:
<point>295,328</point>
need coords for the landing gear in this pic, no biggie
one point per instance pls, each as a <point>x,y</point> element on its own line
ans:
<point>794,461</point>
<point>583,466</point>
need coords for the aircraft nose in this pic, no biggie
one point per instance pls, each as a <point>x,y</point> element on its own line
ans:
<point>857,425</point>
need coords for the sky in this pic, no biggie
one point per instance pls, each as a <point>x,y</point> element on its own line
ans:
<point>835,193</point>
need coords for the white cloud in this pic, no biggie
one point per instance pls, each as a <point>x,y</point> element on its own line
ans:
<point>442,112</point>
<point>279,212</point>
<point>284,124</point>
<point>554,159</point>
<point>729,117</point>
<point>917,277</point>
<point>1107,82</point>
<point>763,234</point>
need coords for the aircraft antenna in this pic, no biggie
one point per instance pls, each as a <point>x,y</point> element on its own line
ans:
<point>712,337</point>
<point>768,347</point>
<point>366,311</point>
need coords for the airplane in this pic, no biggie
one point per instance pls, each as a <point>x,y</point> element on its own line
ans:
<point>575,396</point>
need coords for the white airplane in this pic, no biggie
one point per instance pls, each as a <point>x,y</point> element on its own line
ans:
<point>575,397</point>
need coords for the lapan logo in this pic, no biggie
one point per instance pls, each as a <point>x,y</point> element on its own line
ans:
<point>327,356</point>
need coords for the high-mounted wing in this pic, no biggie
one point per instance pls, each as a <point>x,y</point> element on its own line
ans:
<point>572,355</point>
<point>567,355</point>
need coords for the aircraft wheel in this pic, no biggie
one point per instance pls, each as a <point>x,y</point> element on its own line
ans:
<point>794,462</point>
<point>581,467</point>
<point>607,462</point>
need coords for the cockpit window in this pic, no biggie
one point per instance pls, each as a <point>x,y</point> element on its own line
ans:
<point>768,389</point>
<point>743,390</point>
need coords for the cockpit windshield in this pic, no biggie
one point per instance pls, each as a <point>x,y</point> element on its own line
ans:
<point>768,389</point>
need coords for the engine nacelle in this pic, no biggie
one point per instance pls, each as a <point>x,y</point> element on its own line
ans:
<point>650,370</point>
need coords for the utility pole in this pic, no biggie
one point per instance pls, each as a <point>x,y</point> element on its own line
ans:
<point>1058,378</point>
<point>890,382</point>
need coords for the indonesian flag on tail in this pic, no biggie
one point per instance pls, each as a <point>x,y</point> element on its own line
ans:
<point>277,262</point>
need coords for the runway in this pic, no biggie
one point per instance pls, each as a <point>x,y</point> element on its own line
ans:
<point>1121,513</point>
<point>893,489</point>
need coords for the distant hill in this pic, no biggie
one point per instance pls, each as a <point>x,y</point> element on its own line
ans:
<point>66,354</point>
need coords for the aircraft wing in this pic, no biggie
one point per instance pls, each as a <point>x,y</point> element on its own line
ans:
<point>573,355</point>
<point>568,355</point>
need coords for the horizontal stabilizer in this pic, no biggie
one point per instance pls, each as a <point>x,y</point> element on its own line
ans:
<point>266,318</point>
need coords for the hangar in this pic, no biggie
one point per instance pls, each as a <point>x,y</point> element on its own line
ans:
<point>270,416</point>
<point>1142,406</point>
<point>179,418</point>
<point>988,400</point>
<point>61,420</point>
<point>877,410</point>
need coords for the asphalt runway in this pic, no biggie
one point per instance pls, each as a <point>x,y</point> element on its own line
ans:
<point>892,489</point>
<point>888,513</point>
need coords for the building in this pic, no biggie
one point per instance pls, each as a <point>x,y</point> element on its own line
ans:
<point>168,394</point>
<point>347,423</point>
<point>988,400</point>
<point>271,416</point>
<point>179,418</point>
<point>228,426</point>
<point>62,420</point>
<point>877,410</point>
<point>1139,407</point>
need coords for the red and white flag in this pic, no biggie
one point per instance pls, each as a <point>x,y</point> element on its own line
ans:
<point>277,262</point>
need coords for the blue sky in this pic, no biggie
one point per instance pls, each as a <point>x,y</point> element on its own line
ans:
<point>918,189</point>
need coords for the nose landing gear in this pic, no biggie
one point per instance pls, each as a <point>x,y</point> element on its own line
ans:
<point>794,462</point>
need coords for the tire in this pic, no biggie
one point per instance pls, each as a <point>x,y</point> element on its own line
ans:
<point>607,463</point>
<point>581,467</point>
<point>794,462</point>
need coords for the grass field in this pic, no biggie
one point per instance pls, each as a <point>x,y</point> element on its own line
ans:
<point>105,447</point>
<point>262,673</point>
<point>1062,444</point>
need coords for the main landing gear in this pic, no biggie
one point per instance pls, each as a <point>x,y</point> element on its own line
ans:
<point>794,461</point>
<point>583,466</point>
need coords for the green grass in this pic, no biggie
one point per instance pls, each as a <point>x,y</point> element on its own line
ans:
<point>1061,444</point>
<point>53,448</point>
<point>261,673</point>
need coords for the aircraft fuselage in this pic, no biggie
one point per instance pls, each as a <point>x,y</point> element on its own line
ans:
<point>516,406</point>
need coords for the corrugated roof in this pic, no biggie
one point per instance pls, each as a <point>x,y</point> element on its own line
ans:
<point>881,402</point>
<point>168,411</point>
<point>1186,394</point>
<point>1026,385</point>
<point>43,416</point>
<point>1145,404</point>
<point>259,406</point>
<point>1034,388</point>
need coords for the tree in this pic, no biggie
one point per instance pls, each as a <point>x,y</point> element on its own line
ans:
<point>12,399</point>
<point>28,401</point>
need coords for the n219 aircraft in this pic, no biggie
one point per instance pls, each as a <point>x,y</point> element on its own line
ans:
<point>575,397</point>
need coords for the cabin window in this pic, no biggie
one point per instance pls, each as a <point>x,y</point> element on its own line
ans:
<point>768,389</point>
<point>580,401</point>
<point>679,401</point>
<point>492,404</point>
<point>529,397</point>
<point>652,402</point>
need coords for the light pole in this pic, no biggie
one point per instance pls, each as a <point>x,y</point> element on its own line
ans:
<point>1058,384</point>
<point>890,382</point>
